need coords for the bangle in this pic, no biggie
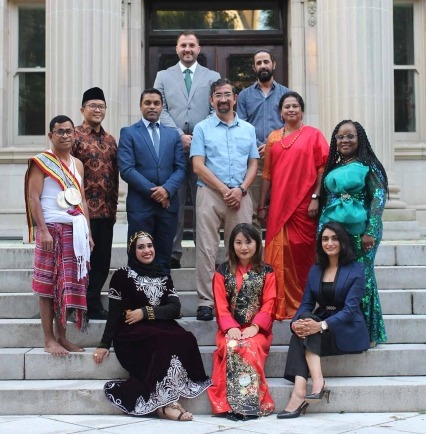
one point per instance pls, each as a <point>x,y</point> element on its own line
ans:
<point>150,311</point>
<point>255,325</point>
<point>260,208</point>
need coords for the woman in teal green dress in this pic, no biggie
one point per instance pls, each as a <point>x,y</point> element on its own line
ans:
<point>353,192</point>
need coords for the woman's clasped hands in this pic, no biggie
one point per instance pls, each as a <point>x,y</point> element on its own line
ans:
<point>306,327</point>
<point>248,332</point>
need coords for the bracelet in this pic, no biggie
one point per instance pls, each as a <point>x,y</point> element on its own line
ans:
<point>150,311</point>
<point>260,208</point>
<point>253,324</point>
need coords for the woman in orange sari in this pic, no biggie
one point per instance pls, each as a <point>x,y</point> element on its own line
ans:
<point>294,161</point>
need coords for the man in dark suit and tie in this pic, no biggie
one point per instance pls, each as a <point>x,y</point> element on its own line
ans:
<point>185,88</point>
<point>151,161</point>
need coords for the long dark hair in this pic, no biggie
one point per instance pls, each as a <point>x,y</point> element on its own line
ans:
<point>364,155</point>
<point>346,254</point>
<point>250,233</point>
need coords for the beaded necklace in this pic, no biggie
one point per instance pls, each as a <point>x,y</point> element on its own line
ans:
<point>291,144</point>
<point>348,160</point>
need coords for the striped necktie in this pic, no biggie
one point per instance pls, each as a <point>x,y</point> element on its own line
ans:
<point>188,81</point>
<point>155,137</point>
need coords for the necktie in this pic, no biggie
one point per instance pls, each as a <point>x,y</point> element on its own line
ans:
<point>188,81</point>
<point>155,137</point>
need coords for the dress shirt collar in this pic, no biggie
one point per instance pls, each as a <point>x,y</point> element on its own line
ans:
<point>191,68</point>
<point>88,129</point>
<point>257,85</point>
<point>219,121</point>
<point>148,122</point>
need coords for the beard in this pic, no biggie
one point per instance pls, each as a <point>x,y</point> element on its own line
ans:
<point>264,75</point>
<point>224,108</point>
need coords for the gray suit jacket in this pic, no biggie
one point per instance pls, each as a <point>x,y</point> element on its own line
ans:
<point>182,111</point>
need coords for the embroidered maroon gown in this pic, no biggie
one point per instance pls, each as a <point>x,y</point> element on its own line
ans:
<point>162,358</point>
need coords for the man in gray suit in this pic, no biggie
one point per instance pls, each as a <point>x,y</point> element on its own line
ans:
<point>185,88</point>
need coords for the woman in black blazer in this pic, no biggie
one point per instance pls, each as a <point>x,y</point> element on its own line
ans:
<point>329,321</point>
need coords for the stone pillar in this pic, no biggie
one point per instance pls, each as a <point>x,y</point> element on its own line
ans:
<point>84,50</point>
<point>355,65</point>
<point>355,44</point>
<point>84,40</point>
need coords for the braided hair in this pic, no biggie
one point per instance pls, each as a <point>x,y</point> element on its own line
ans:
<point>364,154</point>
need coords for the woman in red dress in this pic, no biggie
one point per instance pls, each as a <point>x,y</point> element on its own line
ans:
<point>244,292</point>
<point>295,156</point>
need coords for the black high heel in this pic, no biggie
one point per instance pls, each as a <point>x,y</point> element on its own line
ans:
<point>317,397</point>
<point>293,414</point>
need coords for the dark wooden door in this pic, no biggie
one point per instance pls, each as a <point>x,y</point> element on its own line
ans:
<point>233,62</point>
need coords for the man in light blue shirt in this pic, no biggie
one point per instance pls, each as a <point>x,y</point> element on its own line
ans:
<point>224,157</point>
<point>258,104</point>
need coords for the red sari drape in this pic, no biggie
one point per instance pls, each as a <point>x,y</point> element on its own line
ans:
<point>290,233</point>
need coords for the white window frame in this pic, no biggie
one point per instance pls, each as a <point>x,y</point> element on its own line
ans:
<point>408,138</point>
<point>14,71</point>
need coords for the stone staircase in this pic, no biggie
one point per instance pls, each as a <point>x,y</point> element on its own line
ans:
<point>390,378</point>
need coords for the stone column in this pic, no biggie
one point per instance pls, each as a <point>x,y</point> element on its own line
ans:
<point>84,40</point>
<point>84,50</point>
<point>355,45</point>
<point>355,64</point>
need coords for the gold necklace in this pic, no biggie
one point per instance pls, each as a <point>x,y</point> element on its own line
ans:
<point>348,160</point>
<point>291,144</point>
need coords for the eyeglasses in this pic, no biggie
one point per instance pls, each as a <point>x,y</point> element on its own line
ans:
<point>61,133</point>
<point>342,136</point>
<point>222,95</point>
<point>94,107</point>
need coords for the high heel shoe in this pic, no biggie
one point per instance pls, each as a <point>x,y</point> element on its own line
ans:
<point>293,414</point>
<point>317,397</point>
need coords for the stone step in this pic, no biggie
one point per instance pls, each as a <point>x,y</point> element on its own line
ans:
<point>402,253</point>
<point>27,333</point>
<point>350,394</point>
<point>388,277</point>
<point>394,302</point>
<point>384,360</point>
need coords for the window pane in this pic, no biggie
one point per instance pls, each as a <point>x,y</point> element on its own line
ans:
<point>216,20</point>
<point>31,104</point>
<point>32,34</point>
<point>405,101</point>
<point>403,34</point>
<point>240,70</point>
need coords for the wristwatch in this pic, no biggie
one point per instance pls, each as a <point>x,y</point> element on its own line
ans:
<point>324,326</point>
<point>315,196</point>
<point>243,190</point>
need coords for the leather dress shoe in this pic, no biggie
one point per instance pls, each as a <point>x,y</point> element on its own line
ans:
<point>174,263</point>
<point>317,397</point>
<point>204,313</point>
<point>98,314</point>
<point>293,414</point>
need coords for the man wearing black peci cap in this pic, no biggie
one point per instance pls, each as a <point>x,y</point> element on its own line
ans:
<point>97,149</point>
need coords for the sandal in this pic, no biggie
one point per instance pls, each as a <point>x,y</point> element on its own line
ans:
<point>175,406</point>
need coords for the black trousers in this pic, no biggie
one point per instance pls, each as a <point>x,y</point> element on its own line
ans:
<point>322,344</point>
<point>100,259</point>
